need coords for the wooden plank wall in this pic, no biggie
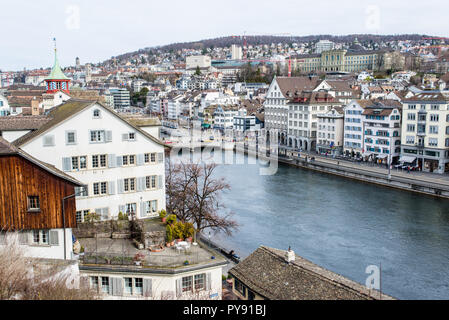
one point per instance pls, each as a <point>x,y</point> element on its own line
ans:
<point>20,178</point>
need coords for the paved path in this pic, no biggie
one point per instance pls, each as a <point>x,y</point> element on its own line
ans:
<point>420,176</point>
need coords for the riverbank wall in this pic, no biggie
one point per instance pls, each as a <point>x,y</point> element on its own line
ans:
<point>412,184</point>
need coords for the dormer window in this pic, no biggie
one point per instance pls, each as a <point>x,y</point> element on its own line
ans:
<point>96,113</point>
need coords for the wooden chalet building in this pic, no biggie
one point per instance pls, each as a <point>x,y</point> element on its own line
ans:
<point>31,202</point>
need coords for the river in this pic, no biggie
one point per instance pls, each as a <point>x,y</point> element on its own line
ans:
<point>342,225</point>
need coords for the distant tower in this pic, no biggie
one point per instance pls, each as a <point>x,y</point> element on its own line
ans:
<point>57,80</point>
<point>77,63</point>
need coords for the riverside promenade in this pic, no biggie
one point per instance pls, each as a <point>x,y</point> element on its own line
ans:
<point>420,182</point>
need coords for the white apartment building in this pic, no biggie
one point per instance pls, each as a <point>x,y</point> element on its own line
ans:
<point>192,62</point>
<point>236,52</point>
<point>425,131</point>
<point>121,165</point>
<point>330,131</point>
<point>382,130</point>
<point>324,45</point>
<point>244,122</point>
<point>224,117</point>
<point>303,111</point>
<point>353,128</point>
<point>133,283</point>
<point>121,97</point>
<point>276,110</point>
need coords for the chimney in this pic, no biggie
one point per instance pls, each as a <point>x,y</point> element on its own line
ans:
<point>290,255</point>
<point>34,107</point>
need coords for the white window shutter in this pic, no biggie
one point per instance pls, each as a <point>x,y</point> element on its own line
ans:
<point>119,161</point>
<point>124,136</point>
<point>147,287</point>
<point>66,164</point>
<point>140,159</point>
<point>49,140</point>
<point>209,281</point>
<point>178,288</point>
<point>108,137</point>
<point>117,286</point>
<point>111,187</point>
<point>139,184</point>
<point>112,161</point>
<point>54,237</point>
<point>160,157</point>
<point>159,183</point>
<point>143,212</point>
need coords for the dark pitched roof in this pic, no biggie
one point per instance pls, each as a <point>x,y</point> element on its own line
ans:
<point>10,123</point>
<point>296,84</point>
<point>68,109</point>
<point>7,149</point>
<point>267,273</point>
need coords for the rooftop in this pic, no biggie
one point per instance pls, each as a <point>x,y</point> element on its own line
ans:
<point>267,273</point>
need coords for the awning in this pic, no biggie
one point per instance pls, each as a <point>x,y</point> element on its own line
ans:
<point>366,154</point>
<point>205,125</point>
<point>408,159</point>
<point>382,156</point>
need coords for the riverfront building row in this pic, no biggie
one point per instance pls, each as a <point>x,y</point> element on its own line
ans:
<point>335,117</point>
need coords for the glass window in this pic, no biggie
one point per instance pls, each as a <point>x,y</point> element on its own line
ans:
<point>33,203</point>
<point>138,284</point>
<point>129,285</point>
<point>187,284</point>
<point>200,281</point>
<point>94,283</point>
<point>105,284</point>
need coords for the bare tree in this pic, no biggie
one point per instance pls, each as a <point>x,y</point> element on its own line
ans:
<point>194,195</point>
<point>23,278</point>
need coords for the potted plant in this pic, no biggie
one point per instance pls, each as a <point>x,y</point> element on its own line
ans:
<point>171,219</point>
<point>169,235</point>
<point>163,215</point>
<point>139,258</point>
<point>178,231</point>
<point>188,231</point>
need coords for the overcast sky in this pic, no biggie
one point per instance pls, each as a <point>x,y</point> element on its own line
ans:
<point>97,30</point>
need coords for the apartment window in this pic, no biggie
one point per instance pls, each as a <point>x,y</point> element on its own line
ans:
<point>129,184</point>
<point>410,139</point>
<point>134,286</point>
<point>79,163</point>
<point>412,106</point>
<point>40,237</point>
<point>33,203</point>
<point>433,142</point>
<point>131,208</point>
<point>94,283</point>
<point>100,188</point>
<point>411,116</point>
<point>434,107</point>
<point>99,161</point>
<point>187,284</point>
<point>410,127</point>
<point>130,136</point>
<point>150,182</point>
<point>71,137</point>
<point>96,113</point>
<point>151,207</point>
<point>129,160</point>
<point>200,281</point>
<point>97,136</point>
<point>434,117</point>
<point>81,215</point>
<point>433,129</point>
<point>105,284</point>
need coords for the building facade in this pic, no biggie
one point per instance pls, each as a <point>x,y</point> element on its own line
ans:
<point>425,131</point>
<point>330,131</point>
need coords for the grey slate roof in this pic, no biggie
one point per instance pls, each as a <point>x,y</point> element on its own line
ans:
<point>267,273</point>
<point>69,109</point>
<point>10,123</point>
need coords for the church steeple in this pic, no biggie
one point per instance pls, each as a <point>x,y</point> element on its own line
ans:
<point>57,80</point>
